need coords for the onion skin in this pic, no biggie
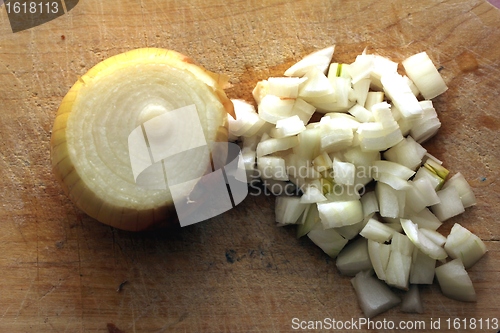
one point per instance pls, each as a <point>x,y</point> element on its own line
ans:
<point>101,209</point>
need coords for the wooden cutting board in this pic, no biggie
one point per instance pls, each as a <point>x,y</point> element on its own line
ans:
<point>61,271</point>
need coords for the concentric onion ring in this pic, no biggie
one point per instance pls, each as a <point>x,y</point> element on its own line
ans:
<point>89,147</point>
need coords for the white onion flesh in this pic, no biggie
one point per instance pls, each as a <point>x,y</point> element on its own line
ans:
<point>422,268</point>
<point>377,231</point>
<point>426,77</point>
<point>455,281</point>
<point>450,204</point>
<point>373,295</point>
<point>340,213</point>
<point>100,154</point>
<point>463,188</point>
<point>329,240</point>
<point>288,209</point>
<point>397,273</point>
<point>379,256</point>
<point>320,60</point>
<point>371,128</point>
<point>463,244</point>
<point>354,258</point>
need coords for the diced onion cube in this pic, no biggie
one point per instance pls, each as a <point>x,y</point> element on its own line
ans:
<point>425,75</point>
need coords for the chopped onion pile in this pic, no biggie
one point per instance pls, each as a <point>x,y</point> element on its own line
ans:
<point>373,125</point>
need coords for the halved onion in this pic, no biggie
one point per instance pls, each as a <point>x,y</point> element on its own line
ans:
<point>89,145</point>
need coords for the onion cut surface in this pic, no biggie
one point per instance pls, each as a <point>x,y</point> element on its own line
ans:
<point>89,143</point>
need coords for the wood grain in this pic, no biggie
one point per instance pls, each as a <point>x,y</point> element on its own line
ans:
<point>60,270</point>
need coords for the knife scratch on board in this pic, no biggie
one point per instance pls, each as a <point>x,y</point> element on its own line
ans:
<point>182,317</point>
<point>121,285</point>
